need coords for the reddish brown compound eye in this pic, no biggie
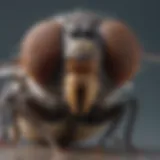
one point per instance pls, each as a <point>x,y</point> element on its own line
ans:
<point>40,50</point>
<point>123,51</point>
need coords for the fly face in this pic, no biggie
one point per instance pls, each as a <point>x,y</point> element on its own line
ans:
<point>81,61</point>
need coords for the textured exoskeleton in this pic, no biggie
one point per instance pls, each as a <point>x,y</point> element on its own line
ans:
<point>67,76</point>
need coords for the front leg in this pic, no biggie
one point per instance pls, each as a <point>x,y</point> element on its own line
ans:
<point>11,102</point>
<point>133,108</point>
<point>116,114</point>
<point>8,125</point>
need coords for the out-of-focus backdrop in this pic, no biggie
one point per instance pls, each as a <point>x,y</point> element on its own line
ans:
<point>142,15</point>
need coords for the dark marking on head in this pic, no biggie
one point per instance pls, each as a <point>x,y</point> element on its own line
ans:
<point>82,24</point>
<point>80,97</point>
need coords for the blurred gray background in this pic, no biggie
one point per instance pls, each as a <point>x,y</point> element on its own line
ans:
<point>142,15</point>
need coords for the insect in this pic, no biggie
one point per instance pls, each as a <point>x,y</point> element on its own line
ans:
<point>67,68</point>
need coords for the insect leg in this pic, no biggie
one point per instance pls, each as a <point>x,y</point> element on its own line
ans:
<point>133,108</point>
<point>7,110</point>
<point>116,115</point>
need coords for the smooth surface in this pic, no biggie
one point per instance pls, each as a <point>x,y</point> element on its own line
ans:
<point>41,154</point>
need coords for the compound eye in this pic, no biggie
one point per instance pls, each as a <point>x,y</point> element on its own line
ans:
<point>122,51</point>
<point>40,50</point>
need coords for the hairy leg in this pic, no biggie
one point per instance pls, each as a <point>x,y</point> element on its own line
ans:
<point>116,114</point>
<point>133,108</point>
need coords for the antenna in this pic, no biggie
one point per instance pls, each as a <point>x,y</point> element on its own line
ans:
<point>151,57</point>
